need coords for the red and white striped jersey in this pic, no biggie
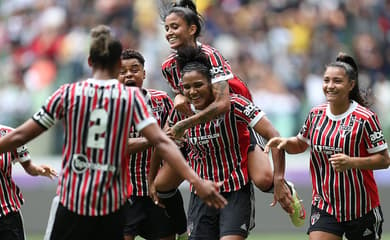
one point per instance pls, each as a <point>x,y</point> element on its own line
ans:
<point>161,105</point>
<point>218,149</point>
<point>221,71</point>
<point>357,133</point>
<point>97,115</point>
<point>11,198</point>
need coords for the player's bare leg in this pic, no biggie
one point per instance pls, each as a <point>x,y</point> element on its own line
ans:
<point>260,169</point>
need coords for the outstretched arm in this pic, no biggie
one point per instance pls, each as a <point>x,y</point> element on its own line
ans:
<point>292,145</point>
<point>41,170</point>
<point>21,135</point>
<point>220,105</point>
<point>281,192</point>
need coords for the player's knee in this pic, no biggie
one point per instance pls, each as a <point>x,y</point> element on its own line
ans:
<point>262,181</point>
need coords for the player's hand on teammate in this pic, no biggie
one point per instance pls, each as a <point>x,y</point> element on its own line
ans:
<point>182,104</point>
<point>46,171</point>
<point>340,162</point>
<point>282,194</point>
<point>175,134</point>
<point>208,191</point>
<point>153,194</point>
<point>278,142</point>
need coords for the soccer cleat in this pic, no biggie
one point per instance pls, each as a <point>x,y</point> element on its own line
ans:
<point>299,214</point>
<point>183,236</point>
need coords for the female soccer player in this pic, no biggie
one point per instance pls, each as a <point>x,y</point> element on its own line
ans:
<point>346,144</point>
<point>217,151</point>
<point>97,114</point>
<point>183,26</point>
<point>142,216</point>
<point>11,199</point>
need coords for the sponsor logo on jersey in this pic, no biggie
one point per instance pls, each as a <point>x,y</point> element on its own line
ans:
<point>376,136</point>
<point>249,110</point>
<point>202,139</point>
<point>329,150</point>
<point>80,164</point>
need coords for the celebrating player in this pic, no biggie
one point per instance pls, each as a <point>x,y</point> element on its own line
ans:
<point>346,144</point>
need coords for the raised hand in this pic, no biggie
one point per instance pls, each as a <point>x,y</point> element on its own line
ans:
<point>46,171</point>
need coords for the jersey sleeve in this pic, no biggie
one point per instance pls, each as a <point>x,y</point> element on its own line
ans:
<point>304,131</point>
<point>168,106</point>
<point>373,135</point>
<point>51,110</point>
<point>21,154</point>
<point>142,115</point>
<point>246,110</point>
<point>220,68</point>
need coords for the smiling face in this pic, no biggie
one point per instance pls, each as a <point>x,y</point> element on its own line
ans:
<point>197,88</point>
<point>337,86</point>
<point>177,32</point>
<point>132,73</point>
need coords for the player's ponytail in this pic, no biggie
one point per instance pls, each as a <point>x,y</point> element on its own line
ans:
<point>105,50</point>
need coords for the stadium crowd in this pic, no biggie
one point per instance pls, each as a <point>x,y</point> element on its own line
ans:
<point>278,47</point>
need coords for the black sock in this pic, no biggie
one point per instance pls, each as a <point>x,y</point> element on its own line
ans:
<point>174,207</point>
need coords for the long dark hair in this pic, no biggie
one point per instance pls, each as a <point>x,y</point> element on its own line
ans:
<point>350,66</point>
<point>105,50</point>
<point>193,59</point>
<point>186,9</point>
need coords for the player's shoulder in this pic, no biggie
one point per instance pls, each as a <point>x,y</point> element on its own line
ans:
<point>170,60</point>
<point>364,112</point>
<point>321,108</point>
<point>155,92</point>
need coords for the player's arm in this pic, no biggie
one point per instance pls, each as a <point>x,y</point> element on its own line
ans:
<point>341,162</point>
<point>41,170</point>
<point>220,105</point>
<point>21,135</point>
<point>138,144</point>
<point>206,190</point>
<point>292,145</point>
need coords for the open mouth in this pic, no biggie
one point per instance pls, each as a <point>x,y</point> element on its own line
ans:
<point>130,84</point>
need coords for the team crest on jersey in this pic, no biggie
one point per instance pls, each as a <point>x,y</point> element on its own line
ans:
<point>3,132</point>
<point>218,121</point>
<point>314,218</point>
<point>159,106</point>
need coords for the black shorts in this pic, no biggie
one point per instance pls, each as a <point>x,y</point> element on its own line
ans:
<point>11,226</point>
<point>210,223</point>
<point>144,218</point>
<point>69,225</point>
<point>256,139</point>
<point>368,227</point>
